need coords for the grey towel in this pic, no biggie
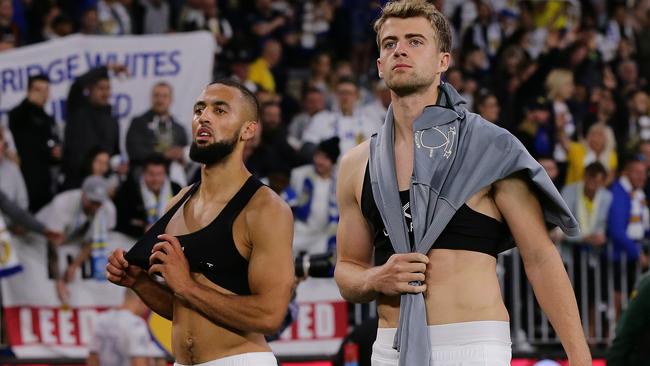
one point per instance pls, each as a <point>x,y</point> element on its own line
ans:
<point>457,153</point>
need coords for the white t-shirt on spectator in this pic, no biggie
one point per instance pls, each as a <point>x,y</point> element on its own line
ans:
<point>64,213</point>
<point>311,235</point>
<point>374,111</point>
<point>119,336</point>
<point>352,130</point>
<point>12,184</point>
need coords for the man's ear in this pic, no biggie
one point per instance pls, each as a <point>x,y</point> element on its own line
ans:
<point>445,60</point>
<point>248,130</point>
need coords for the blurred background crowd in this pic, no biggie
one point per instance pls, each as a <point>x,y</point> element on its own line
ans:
<point>568,78</point>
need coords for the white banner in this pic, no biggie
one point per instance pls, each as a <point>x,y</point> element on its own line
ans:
<point>37,324</point>
<point>183,60</point>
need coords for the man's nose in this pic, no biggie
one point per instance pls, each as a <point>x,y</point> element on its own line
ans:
<point>400,50</point>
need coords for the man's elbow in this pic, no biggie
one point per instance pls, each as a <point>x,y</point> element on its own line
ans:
<point>272,321</point>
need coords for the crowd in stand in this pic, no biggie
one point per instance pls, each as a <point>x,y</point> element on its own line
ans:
<point>568,78</point>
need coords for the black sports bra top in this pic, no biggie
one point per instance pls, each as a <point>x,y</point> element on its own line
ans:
<point>467,230</point>
<point>210,250</point>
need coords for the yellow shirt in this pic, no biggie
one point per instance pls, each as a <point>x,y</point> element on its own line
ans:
<point>576,159</point>
<point>260,74</point>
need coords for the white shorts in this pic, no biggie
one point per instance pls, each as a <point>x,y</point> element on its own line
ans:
<point>480,343</point>
<point>244,359</point>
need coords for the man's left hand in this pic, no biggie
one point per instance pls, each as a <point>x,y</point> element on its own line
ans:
<point>168,260</point>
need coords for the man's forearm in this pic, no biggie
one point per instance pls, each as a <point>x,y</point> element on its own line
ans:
<point>354,282</point>
<point>555,295</point>
<point>248,313</point>
<point>157,297</point>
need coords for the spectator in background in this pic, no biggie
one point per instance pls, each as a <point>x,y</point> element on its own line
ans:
<point>605,113</point>
<point>487,106</point>
<point>315,17</point>
<point>218,25</point>
<point>90,122</point>
<point>155,17</point>
<point>36,141</point>
<point>157,131</point>
<point>630,346</point>
<point>619,28</point>
<point>98,163</point>
<point>644,149</point>
<point>12,183</point>
<point>61,26</point>
<point>627,223</point>
<point>140,202</point>
<point>267,22</point>
<point>313,103</point>
<point>274,135</point>
<point>376,109</point>
<point>84,216</point>
<point>114,18</point>
<point>320,70</point>
<point>260,70</point>
<point>314,210</point>
<point>560,87</point>
<point>599,145</point>
<point>628,76</point>
<point>589,201</point>
<point>637,128</point>
<point>349,125</point>
<point>9,33</point>
<point>485,33</point>
<point>121,336</point>
<point>89,24</point>
<point>192,16</point>
<point>536,131</point>
<point>553,171</point>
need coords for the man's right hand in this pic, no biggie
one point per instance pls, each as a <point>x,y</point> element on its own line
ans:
<point>121,273</point>
<point>394,277</point>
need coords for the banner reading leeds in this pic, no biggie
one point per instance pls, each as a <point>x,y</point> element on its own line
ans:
<point>183,60</point>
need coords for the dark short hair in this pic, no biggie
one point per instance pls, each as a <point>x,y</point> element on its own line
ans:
<point>165,84</point>
<point>38,77</point>
<point>250,98</point>
<point>311,90</point>
<point>483,95</point>
<point>347,80</point>
<point>634,158</point>
<point>268,105</point>
<point>594,169</point>
<point>155,159</point>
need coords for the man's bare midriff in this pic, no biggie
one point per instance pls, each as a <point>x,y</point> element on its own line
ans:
<point>196,339</point>
<point>462,286</point>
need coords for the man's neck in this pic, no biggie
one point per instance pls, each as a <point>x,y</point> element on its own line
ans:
<point>220,181</point>
<point>590,195</point>
<point>407,108</point>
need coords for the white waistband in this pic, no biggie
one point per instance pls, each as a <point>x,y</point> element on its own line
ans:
<point>457,333</point>
<point>244,359</point>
